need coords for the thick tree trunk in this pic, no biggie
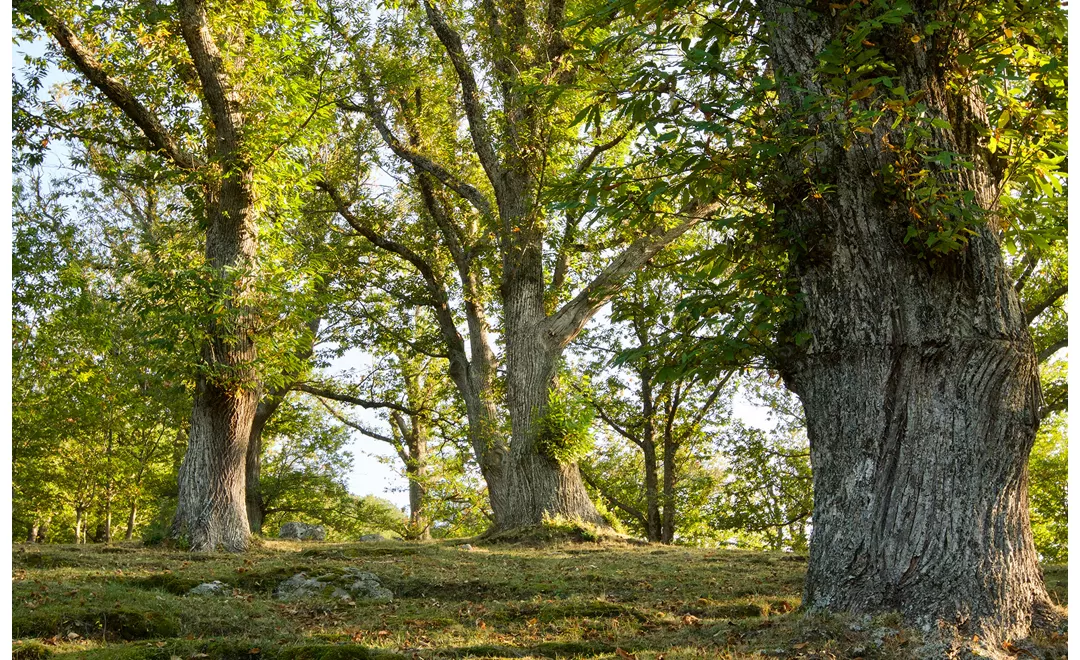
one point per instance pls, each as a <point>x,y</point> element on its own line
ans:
<point>132,511</point>
<point>211,511</point>
<point>919,385</point>
<point>212,508</point>
<point>43,531</point>
<point>32,532</point>
<point>538,486</point>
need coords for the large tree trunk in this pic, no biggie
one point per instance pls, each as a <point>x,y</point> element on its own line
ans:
<point>212,511</point>
<point>32,532</point>
<point>919,385</point>
<point>538,486</point>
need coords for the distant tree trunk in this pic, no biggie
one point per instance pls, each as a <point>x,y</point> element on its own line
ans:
<point>32,532</point>
<point>131,521</point>
<point>670,449</point>
<point>256,508</point>
<point>79,521</point>
<point>106,532</point>
<point>653,527</point>
<point>43,530</point>
<point>920,384</point>
<point>416,471</point>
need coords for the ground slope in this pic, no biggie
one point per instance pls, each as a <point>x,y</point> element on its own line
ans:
<point>571,601</point>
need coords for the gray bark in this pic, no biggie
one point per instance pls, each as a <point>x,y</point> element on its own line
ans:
<point>920,384</point>
<point>32,532</point>
<point>212,512</point>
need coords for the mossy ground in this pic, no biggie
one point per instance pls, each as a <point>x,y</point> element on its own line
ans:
<point>501,600</point>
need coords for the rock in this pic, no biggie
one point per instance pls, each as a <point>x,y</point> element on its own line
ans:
<point>302,532</point>
<point>466,547</point>
<point>208,589</point>
<point>351,584</point>
<point>372,538</point>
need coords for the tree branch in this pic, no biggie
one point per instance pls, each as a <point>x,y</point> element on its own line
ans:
<point>1049,351</point>
<point>353,425</point>
<point>1050,299</point>
<point>565,324</point>
<point>607,495</point>
<point>112,88</point>
<point>325,393</point>
<point>470,96</point>
<point>467,191</point>
<point>210,67</point>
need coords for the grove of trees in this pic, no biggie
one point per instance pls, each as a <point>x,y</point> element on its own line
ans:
<point>575,242</point>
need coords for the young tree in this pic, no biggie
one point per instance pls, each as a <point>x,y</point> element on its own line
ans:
<point>646,400</point>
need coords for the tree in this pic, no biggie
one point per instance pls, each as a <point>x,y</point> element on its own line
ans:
<point>666,414</point>
<point>521,147</point>
<point>864,150</point>
<point>231,67</point>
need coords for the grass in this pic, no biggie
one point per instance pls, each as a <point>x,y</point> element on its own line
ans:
<point>507,598</point>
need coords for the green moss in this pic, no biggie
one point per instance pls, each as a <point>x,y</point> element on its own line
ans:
<point>30,651</point>
<point>169,582</point>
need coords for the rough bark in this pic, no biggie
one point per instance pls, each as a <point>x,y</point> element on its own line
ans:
<point>920,384</point>
<point>211,511</point>
<point>538,486</point>
<point>32,532</point>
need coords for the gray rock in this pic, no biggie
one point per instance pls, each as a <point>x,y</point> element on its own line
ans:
<point>302,532</point>
<point>372,538</point>
<point>208,589</point>
<point>466,547</point>
<point>351,584</point>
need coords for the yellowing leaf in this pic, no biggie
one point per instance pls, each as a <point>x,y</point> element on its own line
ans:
<point>915,38</point>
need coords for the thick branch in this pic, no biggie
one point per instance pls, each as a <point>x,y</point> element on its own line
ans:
<point>353,425</point>
<point>568,321</point>
<point>470,96</point>
<point>325,393</point>
<point>607,495</point>
<point>1049,351</point>
<point>467,191</point>
<point>224,109</point>
<point>112,88</point>
<point>1031,260</point>
<point>1050,299</point>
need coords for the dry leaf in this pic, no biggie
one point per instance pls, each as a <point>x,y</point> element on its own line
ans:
<point>623,654</point>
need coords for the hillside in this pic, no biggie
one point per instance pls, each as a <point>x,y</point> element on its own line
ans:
<point>573,600</point>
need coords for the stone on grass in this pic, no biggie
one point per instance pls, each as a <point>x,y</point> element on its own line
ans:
<point>302,532</point>
<point>372,538</point>
<point>348,585</point>
<point>208,589</point>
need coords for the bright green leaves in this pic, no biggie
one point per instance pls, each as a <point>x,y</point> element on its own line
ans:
<point>563,432</point>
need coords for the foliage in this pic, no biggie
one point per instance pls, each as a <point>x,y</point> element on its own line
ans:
<point>1049,491</point>
<point>563,431</point>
